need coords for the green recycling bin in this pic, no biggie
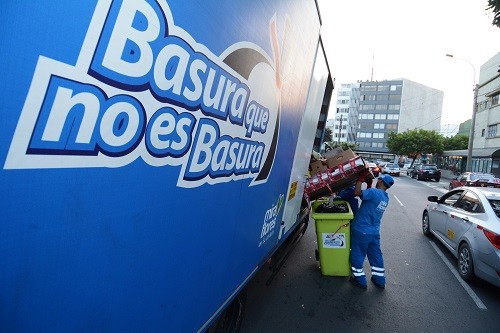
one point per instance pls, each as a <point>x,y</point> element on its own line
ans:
<point>333,234</point>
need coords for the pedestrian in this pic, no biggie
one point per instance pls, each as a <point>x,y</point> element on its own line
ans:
<point>365,232</point>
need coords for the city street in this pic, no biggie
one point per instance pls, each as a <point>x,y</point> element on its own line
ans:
<point>423,291</point>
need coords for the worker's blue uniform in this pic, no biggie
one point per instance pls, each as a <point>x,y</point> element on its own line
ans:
<point>347,194</point>
<point>365,236</point>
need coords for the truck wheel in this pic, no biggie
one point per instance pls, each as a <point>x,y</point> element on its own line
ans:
<point>230,320</point>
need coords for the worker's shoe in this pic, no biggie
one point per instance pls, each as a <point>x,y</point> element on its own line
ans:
<point>357,283</point>
<point>378,284</point>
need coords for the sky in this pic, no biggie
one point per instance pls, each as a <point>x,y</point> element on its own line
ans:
<point>410,39</point>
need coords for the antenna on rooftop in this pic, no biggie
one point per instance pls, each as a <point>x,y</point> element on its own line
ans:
<point>373,63</point>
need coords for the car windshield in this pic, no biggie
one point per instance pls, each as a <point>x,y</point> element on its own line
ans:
<point>429,167</point>
<point>495,204</point>
<point>475,176</point>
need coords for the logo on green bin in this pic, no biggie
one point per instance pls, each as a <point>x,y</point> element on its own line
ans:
<point>334,241</point>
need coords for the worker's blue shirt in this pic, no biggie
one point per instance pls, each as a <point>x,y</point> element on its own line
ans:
<point>348,195</point>
<point>373,204</point>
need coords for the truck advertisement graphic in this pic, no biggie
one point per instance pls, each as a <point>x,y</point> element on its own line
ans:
<point>149,150</point>
<point>110,107</point>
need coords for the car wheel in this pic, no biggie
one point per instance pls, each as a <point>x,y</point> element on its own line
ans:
<point>438,179</point>
<point>426,228</point>
<point>465,264</point>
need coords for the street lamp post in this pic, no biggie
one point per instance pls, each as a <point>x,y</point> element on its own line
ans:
<point>468,166</point>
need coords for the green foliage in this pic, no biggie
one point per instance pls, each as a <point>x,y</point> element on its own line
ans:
<point>457,142</point>
<point>494,6</point>
<point>328,136</point>
<point>414,142</point>
<point>343,145</point>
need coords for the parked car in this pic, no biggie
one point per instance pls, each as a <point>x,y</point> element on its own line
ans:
<point>474,179</point>
<point>411,169</point>
<point>391,169</point>
<point>427,171</point>
<point>467,221</point>
<point>374,169</point>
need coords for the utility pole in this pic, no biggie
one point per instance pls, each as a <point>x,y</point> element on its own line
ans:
<point>340,130</point>
<point>468,166</point>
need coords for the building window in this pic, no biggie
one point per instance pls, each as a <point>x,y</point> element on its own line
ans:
<point>368,88</point>
<point>378,126</point>
<point>377,144</point>
<point>394,107</point>
<point>365,126</point>
<point>382,88</point>
<point>393,116</point>
<point>394,87</point>
<point>366,116</point>
<point>366,107</point>
<point>382,97</point>
<point>381,107</point>
<point>378,135</point>
<point>368,98</point>
<point>492,131</point>
<point>392,126</point>
<point>364,135</point>
<point>494,99</point>
<point>395,97</point>
<point>380,116</point>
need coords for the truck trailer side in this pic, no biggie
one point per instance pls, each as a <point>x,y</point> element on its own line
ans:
<point>153,156</point>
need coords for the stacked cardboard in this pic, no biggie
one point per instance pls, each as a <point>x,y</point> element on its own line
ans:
<point>341,170</point>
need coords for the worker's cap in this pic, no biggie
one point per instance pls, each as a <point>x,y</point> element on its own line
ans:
<point>387,180</point>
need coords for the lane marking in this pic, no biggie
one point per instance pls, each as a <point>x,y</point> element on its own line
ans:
<point>399,201</point>
<point>468,289</point>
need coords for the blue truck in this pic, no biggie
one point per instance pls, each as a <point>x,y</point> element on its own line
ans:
<point>153,157</point>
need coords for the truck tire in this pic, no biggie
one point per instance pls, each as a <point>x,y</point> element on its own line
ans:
<point>230,320</point>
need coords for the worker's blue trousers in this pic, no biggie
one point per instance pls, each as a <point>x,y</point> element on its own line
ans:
<point>366,245</point>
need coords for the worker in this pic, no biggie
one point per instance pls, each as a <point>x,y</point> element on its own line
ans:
<point>347,194</point>
<point>365,231</point>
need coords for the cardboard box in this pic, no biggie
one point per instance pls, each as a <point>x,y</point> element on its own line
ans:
<point>317,167</point>
<point>333,152</point>
<point>340,158</point>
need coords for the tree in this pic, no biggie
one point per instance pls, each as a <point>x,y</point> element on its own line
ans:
<point>343,145</point>
<point>494,6</point>
<point>327,137</point>
<point>415,142</point>
<point>456,142</point>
